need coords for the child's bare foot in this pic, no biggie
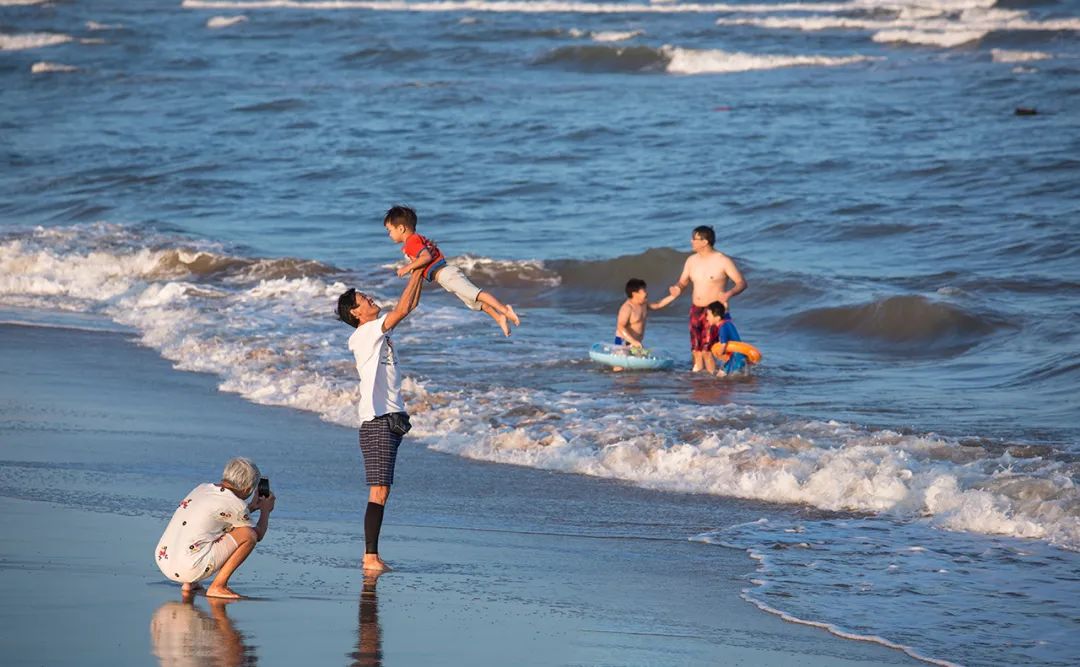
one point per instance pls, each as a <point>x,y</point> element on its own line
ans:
<point>191,587</point>
<point>513,316</point>
<point>500,319</point>
<point>617,369</point>
<point>222,592</point>
<point>372,563</point>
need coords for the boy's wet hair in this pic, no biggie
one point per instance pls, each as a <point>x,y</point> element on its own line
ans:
<point>717,309</point>
<point>706,232</point>
<point>633,285</point>
<point>401,215</point>
<point>345,303</point>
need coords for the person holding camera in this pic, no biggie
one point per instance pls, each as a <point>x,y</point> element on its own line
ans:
<point>383,420</point>
<point>211,530</point>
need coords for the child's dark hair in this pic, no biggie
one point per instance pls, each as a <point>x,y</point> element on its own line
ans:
<point>633,285</point>
<point>345,303</point>
<point>706,232</point>
<point>401,215</point>
<point>717,309</point>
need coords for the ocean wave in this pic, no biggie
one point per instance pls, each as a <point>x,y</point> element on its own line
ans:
<point>218,22</point>
<point>675,60</point>
<point>615,36</point>
<point>942,24</point>
<point>32,40</point>
<point>907,322</point>
<point>915,589</point>
<point>44,67</point>
<point>715,61</point>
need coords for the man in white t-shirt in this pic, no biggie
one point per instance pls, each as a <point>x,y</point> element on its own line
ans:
<point>381,409</point>
<point>211,530</point>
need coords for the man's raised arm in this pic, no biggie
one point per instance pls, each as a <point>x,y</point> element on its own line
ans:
<point>408,301</point>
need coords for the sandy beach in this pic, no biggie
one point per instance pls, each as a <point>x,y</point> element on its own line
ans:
<point>495,564</point>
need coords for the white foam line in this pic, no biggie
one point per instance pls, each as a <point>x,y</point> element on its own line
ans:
<point>968,24</point>
<point>551,7</point>
<point>32,40</point>
<point>829,627</point>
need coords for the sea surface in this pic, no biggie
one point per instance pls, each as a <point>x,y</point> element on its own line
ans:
<point>899,181</point>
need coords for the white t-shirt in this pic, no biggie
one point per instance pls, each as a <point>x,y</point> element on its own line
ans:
<point>203,517</point>
<point>376,362</point>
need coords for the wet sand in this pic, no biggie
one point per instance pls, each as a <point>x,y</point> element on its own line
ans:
<point>494,564</point>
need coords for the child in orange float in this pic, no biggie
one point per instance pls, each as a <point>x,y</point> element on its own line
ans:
<point>400,223</point>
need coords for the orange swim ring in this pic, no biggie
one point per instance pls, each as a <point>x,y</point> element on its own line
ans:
<point>722,350</point>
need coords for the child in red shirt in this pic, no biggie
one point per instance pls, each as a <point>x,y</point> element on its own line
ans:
<point>400,222</point>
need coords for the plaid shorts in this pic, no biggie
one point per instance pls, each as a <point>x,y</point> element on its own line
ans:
<point>379,447</point>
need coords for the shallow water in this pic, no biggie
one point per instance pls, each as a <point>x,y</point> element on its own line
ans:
<point>211,175</point>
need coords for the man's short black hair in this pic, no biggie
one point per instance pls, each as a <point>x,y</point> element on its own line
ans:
<point>401,215</point>
<point>633,285</point>
<point>717,308</point>
<point>706,232</point>
<point>345,303</point>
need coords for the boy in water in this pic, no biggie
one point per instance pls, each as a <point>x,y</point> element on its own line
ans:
<point>718,319</point>
<point>634,313</point>
<point>400,223</point>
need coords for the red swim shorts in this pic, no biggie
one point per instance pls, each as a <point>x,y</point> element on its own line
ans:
<point>702,336</point>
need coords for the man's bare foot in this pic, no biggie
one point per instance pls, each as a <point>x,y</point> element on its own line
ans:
<point>372,563</point>
<point>696,369</point>
<point>513,316</point>
<point>501,320</point>
<point>222,592</point>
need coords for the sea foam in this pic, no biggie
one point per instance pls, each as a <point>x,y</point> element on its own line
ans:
<point>32,40</point>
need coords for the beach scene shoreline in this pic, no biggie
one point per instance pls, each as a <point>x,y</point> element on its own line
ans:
<point>188,188</point>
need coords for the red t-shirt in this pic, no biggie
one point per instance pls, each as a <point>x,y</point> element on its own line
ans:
<point>416,244</point>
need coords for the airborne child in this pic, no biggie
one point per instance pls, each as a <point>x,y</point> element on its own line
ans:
<point>400,223</point>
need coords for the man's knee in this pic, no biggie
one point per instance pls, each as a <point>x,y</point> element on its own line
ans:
<point>378,494</point>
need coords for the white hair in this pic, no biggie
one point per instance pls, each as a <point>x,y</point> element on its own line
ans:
<point>242,474</point>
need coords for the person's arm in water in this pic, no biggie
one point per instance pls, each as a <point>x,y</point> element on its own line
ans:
<point>739,283</point>
<point>422,260</point>
<point>622,326</point>
<point>408,301</point>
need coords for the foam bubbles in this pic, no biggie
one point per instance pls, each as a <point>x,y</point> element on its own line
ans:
<point>44,67</point>
<point>32,40</point>
<point>715,61</point>
<point>219,22</point>
<point>1006,56</point>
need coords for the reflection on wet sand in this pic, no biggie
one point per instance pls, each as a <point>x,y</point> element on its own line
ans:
<point>368,651</point>
<point>182,634</point>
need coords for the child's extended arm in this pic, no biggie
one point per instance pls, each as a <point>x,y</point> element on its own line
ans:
<point>662,302</point>
<point>422,260</point>
<point>410,298</point>
<point>684,280</point>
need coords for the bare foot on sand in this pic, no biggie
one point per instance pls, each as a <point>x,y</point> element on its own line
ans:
<point>222,592</point>
<point>501,320</point>
<point>372,563</point>
<point>513,316</point>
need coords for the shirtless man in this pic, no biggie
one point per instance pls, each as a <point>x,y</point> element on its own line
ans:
<point>710,270</point>
<point>630,327</point>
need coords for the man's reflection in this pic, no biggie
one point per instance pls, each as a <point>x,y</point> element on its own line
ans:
<point>368,651</point>
<point>181,634</point>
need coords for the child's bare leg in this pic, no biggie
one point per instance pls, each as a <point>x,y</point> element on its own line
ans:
<point>246,538</point>
<point>487,299</point>
<point>499,318</point>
